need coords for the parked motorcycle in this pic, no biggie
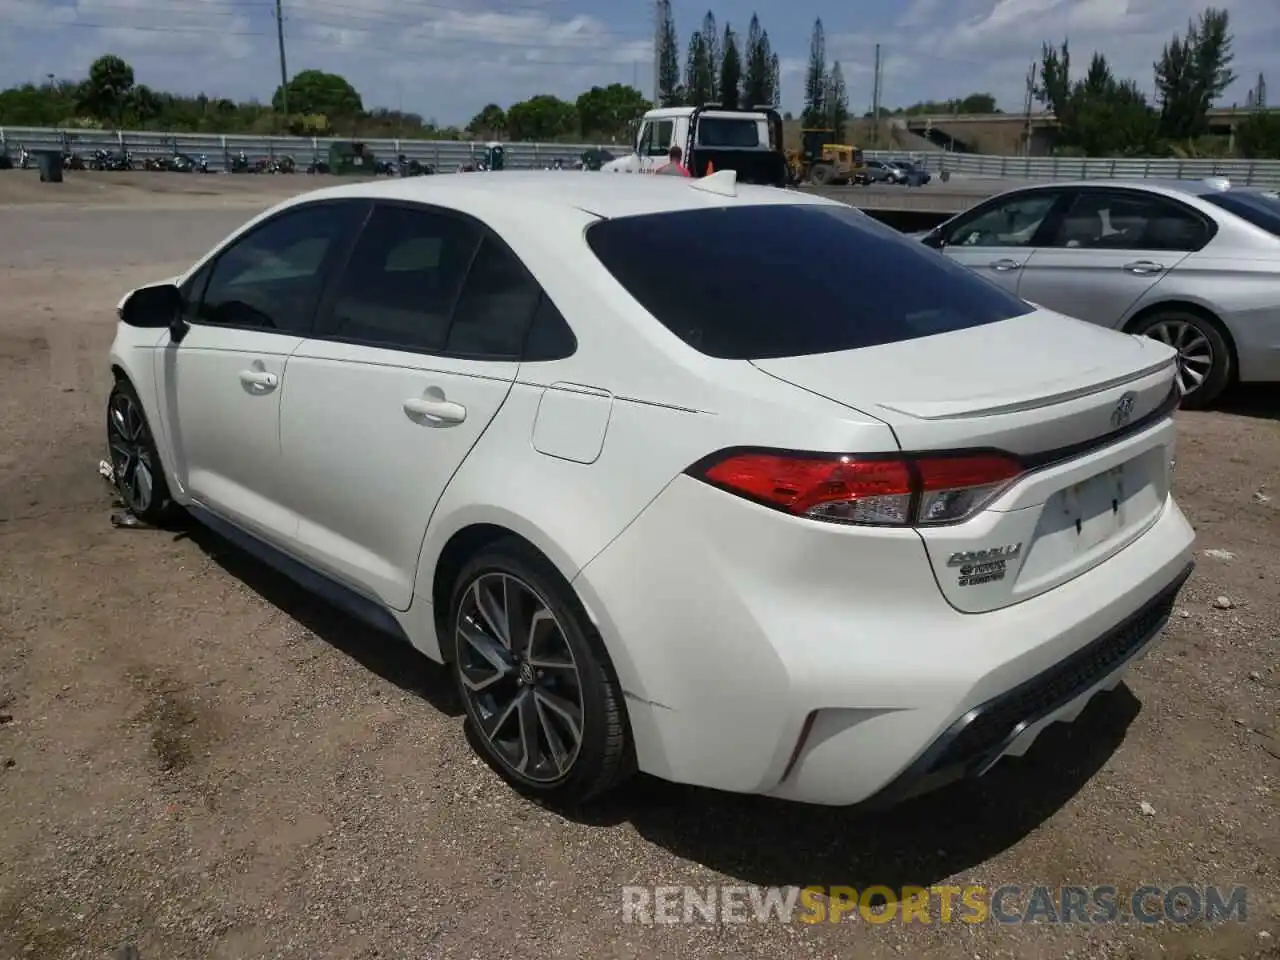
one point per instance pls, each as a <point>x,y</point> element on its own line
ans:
<point>318,166</point>
<point>106,160</point>
<point>409,168</point>
<point>73,161</point>
<point>240,163</point>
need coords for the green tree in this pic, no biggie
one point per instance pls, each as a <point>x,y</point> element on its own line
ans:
<point>610,112</point>
<point>836,98</point>
<point>1192,73</point>
<point>1097,115</point>
<point>698,77</point>
<point>730,70</point>
<point>143,105</point>
<point>543,117</point>
<point>775,76</point>
<point>105,94</point>
<point>711,43</point>
<point>489,122</point>
<point>815,81</point>
<point>314,91</point>
<point>755,75</point>
<point>670,93</point>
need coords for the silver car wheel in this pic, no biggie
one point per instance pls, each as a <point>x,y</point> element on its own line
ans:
<point>1195,352</point>
<point>519,677</point>
<point>130,455</point>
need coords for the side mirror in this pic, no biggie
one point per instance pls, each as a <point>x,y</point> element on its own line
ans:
<point>152,307</point>
<point>933,239</point>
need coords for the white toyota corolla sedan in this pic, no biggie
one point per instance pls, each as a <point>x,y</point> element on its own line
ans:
<point>731,485</point>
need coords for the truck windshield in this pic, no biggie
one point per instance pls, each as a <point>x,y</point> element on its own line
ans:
<point>728,132</point>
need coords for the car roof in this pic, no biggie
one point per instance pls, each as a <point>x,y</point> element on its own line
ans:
<point>605,195</point>
<point>1195,188</point>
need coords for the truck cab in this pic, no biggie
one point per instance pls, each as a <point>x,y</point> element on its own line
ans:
<point>748,141</point>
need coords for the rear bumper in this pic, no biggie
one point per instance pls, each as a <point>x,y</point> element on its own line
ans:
<point>761,653</point>
<point>1009,722</point>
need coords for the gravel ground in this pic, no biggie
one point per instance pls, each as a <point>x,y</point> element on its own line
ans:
<point>199,760</point>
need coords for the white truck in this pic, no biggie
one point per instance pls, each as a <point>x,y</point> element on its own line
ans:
<point>748,141</point>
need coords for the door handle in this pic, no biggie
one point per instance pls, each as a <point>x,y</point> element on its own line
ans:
<point>437,411</point>
<point>258,378</point>
<point>1006,265</point>
<point>1143,267</point>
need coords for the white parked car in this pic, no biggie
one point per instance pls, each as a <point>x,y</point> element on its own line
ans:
<point>732,485</point>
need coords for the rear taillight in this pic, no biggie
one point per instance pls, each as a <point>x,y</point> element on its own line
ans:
<point>873,490</point>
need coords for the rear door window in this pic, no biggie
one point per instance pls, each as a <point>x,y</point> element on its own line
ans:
<point>785,280</point>
<point>1260,209</point>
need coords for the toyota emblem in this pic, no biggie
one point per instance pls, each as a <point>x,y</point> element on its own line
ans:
<point>1123,412</point>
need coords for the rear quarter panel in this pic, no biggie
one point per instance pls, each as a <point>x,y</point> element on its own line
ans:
<point>1243,292</point>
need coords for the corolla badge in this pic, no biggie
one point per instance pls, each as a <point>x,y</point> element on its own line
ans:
<point>1123,412</point>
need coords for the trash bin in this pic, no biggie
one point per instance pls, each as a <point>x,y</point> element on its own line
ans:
<point>50,162</point>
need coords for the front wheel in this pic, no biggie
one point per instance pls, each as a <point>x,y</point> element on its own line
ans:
<point>543,705</point>
<point>1204,358</point>
<point>135,461</point>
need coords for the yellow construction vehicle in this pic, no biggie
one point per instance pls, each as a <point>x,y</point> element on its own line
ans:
<point>823,163</point>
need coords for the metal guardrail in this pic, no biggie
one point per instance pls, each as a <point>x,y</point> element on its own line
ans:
<point>446,155</point>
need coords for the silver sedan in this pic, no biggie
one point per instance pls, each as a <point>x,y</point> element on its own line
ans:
<point>1195,264</point>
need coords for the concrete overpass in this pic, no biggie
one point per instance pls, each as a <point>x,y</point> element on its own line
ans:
<point>1003,133</point>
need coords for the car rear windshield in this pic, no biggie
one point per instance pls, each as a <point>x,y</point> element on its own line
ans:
<point>1260,209</point>
<point>786,280</point>
<point>728,132</point>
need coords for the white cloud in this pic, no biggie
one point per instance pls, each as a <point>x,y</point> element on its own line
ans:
<point>941,50</point>
<point>447,58</point>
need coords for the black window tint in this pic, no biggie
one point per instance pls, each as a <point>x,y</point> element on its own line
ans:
<point>728,132</point>
<point>193,290</point>
<point>495,306</point>
<point>1102,220</point>
<point>1009,222</point>
<point>272,279</point>
<point>401,283</point>
<point>1260,209</point>
<point>780,280</point>
<point>550,337</point>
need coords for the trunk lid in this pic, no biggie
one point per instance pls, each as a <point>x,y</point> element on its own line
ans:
<point>1084,407</point>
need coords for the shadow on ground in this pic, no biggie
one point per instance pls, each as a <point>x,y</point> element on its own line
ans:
<point>755,839</point>
<point>1260,400</point>
<point>389,657</point>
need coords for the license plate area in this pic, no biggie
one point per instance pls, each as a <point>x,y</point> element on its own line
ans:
<point>1083,524</point>
<point>1096,509</point>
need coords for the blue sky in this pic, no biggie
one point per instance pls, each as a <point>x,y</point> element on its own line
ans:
<point>447,58</point>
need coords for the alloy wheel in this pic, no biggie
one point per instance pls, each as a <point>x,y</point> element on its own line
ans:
<point>1195,352</point>
<point>520,678</point>
<point>130,454</point>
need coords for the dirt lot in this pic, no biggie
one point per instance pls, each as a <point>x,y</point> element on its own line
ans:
<point>198,759</point>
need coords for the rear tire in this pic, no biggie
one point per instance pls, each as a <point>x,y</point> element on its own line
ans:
<point>821,174</point>
<point>543,705</point>
<point>1205,366</point>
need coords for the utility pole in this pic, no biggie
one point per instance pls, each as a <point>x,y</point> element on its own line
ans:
<point>1026,110</point>
<point>284,73</point>
<point>875,102</point>
<point>657,51</point>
